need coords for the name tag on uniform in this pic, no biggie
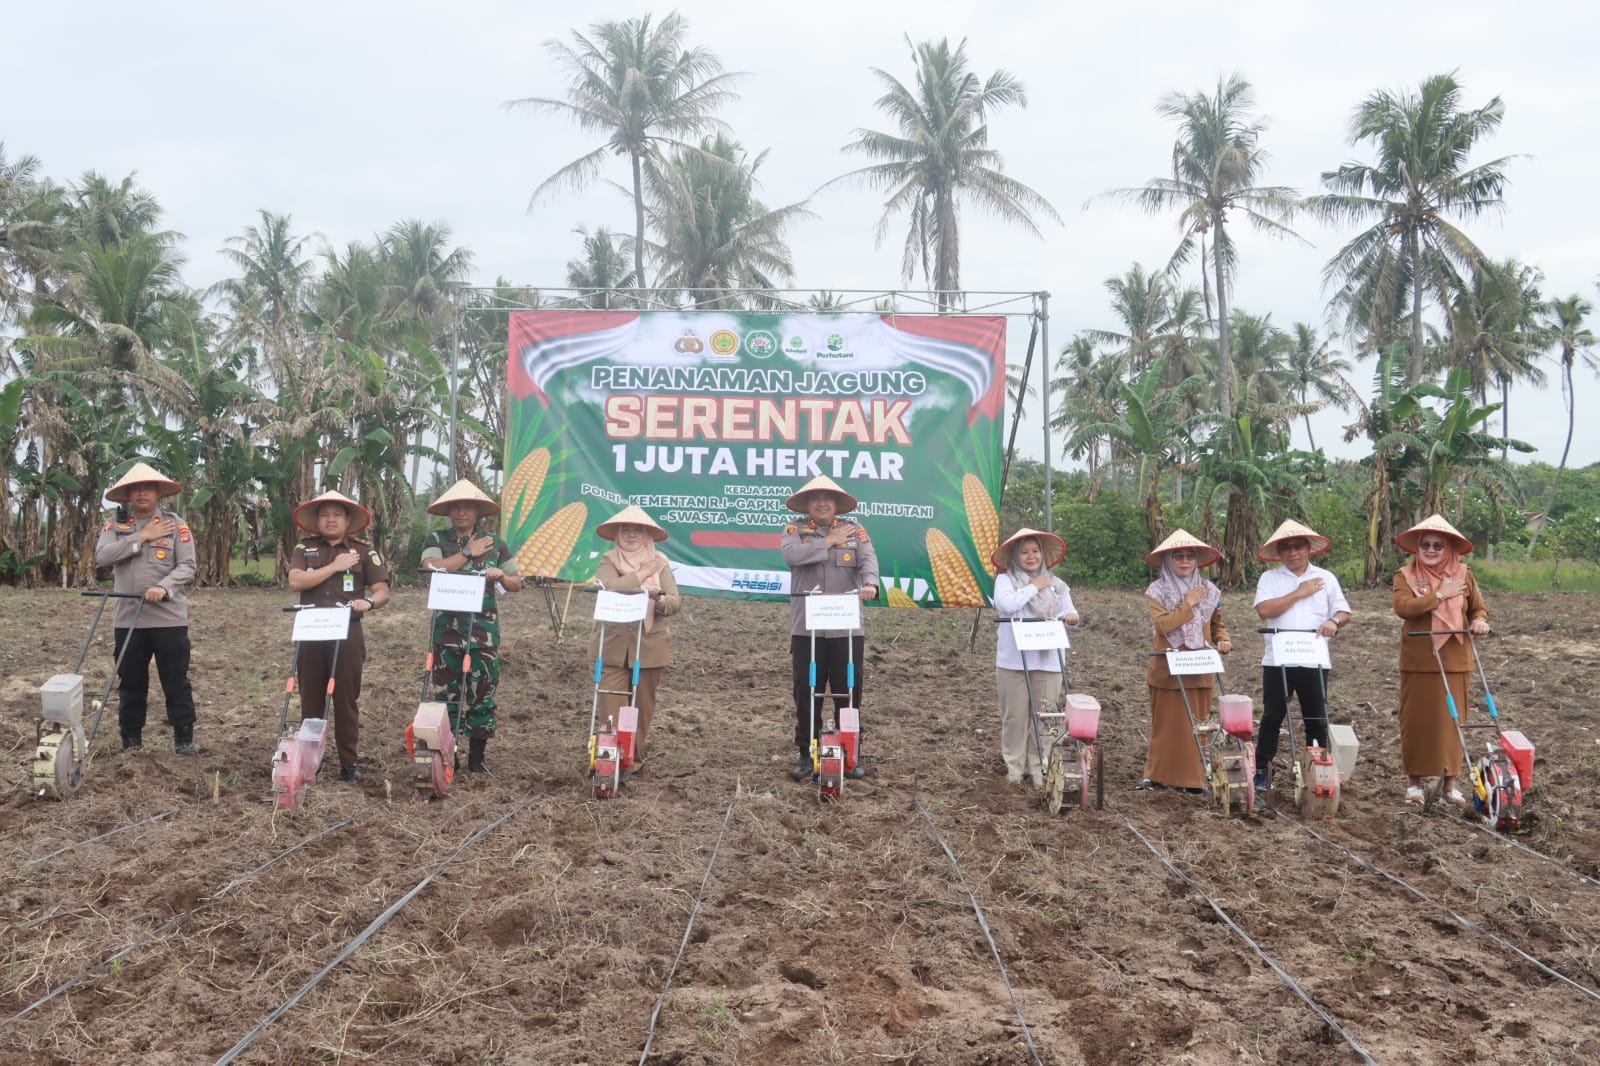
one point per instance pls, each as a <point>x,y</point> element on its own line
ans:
<point>322,623</point>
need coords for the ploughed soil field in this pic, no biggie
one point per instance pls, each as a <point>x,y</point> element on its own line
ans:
<point>824,933</point>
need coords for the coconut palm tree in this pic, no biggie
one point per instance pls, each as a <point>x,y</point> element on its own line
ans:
<point>1495,331</point>
<point>1315,370</point>
<point>1406,198</point>
<point>1143,304</point>
<point>601,269</point>
<point>1217,162</point>
<point>713,233</point>
<point>939,156</point>
<point>1564,319</point>
<point>637,84</point>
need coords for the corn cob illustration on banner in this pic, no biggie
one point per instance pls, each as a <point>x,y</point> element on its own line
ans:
<point>981,519</point>
<point>542,554</point>
<point>709,420</point>
<point>522,487</point>
<point>954,579</point>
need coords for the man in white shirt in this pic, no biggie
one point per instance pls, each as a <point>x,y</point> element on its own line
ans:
<point>1295,596</point>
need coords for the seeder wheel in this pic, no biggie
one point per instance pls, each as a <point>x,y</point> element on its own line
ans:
<point>1067,778</point>
<point>1233,774</point>
<point>443,774</point>
<point>57,771</point>
<point>1503,808</point>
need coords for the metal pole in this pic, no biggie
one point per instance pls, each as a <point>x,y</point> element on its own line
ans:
<point>455,390</point>
<point>1044,337</point>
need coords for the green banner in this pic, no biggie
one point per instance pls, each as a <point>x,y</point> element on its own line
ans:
<point>709,420</point>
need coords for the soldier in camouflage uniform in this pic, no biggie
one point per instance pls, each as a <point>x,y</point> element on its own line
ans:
<point>150,551</point>
<point>461,546</point>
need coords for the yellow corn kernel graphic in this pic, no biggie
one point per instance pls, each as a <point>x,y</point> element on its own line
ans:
<point>552,542</point>
<point>951,576</point>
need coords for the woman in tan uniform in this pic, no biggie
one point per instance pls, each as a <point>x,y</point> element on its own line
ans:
<point>1186,612</point>
<point>635,566</point>
<point>1435,591</point>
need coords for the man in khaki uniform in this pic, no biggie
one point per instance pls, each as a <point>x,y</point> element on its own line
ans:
<point>330,568</point>
<point>151,552</point>
<point>830,554</point>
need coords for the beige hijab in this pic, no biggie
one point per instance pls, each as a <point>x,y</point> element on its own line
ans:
<point>645,561</point>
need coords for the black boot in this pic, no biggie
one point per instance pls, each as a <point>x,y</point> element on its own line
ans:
<point>475,756</point>
<point>183,742</point>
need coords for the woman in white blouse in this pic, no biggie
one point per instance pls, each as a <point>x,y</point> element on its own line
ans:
<point>1026,590</point>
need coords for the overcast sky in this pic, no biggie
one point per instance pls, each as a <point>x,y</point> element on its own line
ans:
<point>353,115</point>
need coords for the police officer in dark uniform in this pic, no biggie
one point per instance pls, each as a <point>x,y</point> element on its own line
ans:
<point>829,554</point>
<point>330,568</point>
<point>150,551</point>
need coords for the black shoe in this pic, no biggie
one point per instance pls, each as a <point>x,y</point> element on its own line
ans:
<point>802,769</point>
<point>350,772</point>
<point>132,743</point>
<point>1148,785</point>
<point>475,756</point>
<point>856,772</point>
<point>184,747</point>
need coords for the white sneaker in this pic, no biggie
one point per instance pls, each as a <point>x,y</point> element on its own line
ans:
<point>1455,797</point>
<point>1415,795</point>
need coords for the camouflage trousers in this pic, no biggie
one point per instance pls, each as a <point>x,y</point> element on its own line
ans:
<point>449,649</point>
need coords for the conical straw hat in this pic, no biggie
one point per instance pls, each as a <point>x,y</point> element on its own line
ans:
<point>821,483</point>
<point>305,516</point>
<point>1205,554</point>
<point>630,516</point>
<point>142,474</point>
<point>1292,530</point>
<point>464,490</point>
<point>1434,523</point>
<point>1055,548</point>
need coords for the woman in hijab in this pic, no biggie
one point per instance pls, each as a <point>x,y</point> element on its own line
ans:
<point>1435,591</point>
<point>1186,613</point>
<point>1026,589</point>
<point>635,566</point>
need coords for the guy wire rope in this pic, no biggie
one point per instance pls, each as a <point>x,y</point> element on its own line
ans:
<point>1268,959</point>
<point>983,923</point>
<point>181,917</point>
<point>650,1034</point>
<point>360,938</point>
<point>102,836</point>
<point>1465,923</point>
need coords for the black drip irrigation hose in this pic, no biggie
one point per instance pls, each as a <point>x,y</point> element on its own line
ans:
<point>983,924</point>
<point>177,919</point>
<point>361,938</point>
<point>1465,923</point>
<point>1268,959</point>
<point>1535,852</point>
<point>655,1015</point>
<point>102,836</point>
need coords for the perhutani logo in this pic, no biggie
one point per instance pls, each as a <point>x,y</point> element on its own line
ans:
<point>754,583</point>
<point>760,343</point>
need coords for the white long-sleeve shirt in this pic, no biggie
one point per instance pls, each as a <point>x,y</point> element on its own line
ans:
<point>1308,613</point>
<point>1012,602</point>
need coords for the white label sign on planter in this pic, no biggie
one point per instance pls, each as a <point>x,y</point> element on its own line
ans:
<point>833,612</point>
<point>621,606</point>
<point>1042,635</point>
<point>1204,661</point>
<point>461,593</point>
<point>322,623</point>
<point>1300,649</point>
